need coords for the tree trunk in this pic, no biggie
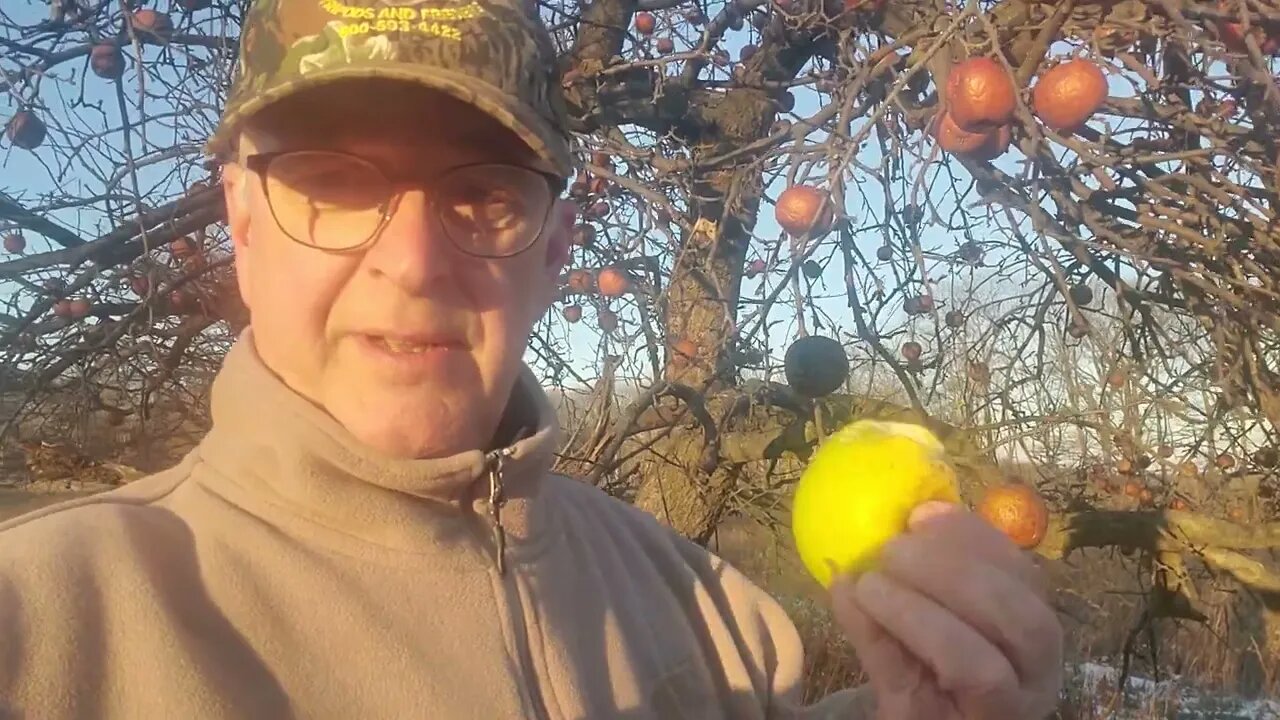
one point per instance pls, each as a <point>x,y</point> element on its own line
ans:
<point>701,308</point>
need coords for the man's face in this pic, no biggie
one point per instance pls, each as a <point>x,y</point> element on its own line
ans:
<point>459,324</point>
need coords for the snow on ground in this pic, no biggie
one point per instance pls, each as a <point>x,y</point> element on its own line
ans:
<point>1171,698</point>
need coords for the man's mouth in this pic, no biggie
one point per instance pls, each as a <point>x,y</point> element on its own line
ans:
<point>414,345</point>
<point>406,347</point>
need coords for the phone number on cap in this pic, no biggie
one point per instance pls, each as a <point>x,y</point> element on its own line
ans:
<point>404,26</point>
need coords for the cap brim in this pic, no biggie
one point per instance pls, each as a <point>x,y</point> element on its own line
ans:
<point>536,132</point>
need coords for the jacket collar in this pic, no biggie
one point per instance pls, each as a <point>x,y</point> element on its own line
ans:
<point>271,441</point>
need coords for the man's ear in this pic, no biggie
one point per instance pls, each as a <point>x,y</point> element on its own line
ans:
<point>559,234</point>
<point>235,192</point>
<point>561,237</point>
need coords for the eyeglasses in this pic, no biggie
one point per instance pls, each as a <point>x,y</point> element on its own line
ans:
<point>339,202</point>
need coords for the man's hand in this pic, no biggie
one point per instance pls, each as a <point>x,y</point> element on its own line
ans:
<point>954,625</point>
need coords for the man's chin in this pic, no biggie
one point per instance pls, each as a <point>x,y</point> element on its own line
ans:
<point>423,422</point>
<point>407,447</point>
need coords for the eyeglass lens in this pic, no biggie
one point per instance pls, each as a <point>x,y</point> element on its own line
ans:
<point>337,201</point>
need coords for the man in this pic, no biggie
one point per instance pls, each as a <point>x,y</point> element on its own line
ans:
<point>370,529</point>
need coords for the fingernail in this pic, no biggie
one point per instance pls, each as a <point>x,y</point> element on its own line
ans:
<point>927,511</point>
<point>870,586</point>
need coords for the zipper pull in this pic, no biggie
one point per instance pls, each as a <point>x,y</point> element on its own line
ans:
<point>498,498</point>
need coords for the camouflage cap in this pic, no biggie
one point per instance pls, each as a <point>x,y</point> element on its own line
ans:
<point>493,54</point>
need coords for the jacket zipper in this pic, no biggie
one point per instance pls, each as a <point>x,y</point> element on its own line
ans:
<point>497,499</point>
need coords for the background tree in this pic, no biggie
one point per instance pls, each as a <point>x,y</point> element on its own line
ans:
<point>1046,229</point>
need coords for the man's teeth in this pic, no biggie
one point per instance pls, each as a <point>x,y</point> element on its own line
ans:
<point>405,347</point>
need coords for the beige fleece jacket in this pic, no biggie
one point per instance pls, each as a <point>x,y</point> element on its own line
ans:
<point>282,570</point>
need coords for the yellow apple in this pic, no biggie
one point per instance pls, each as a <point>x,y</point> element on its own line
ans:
<point>858,490</point>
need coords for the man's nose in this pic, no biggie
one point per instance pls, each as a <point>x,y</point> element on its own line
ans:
<point>412,250</point>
